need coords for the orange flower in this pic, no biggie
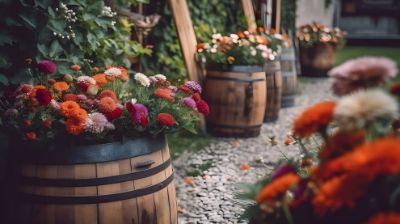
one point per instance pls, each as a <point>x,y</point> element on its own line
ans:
<point>30,136</point>
<point>74,125</point>
<point>95,69</point>
<point>230,59</point>
<point>245,166</point>
<point>385,218</point>
<point>277,187</point>
<point>340,191</point>
<point>164,93</point>
<point>80,114</point>
<point>260,29</point>
<point>101,79</point>
<point>107,104</point>
<point>201,46</point>
<point>340,143</point>
<point>75,67</point>
<point>381,156</point>
<point>188,180</point>
<point>68,107</point>
<point>108,93</point>
<point>124,74</point>
<point>314,119</point>
<point>27,122</point>
<point>61,86</point>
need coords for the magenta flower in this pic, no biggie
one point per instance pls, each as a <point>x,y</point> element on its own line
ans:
<point>282,170</point>
<point>47,66</point>
<point>139,114</point>
<point>189,102</point>
<point>193,86</point>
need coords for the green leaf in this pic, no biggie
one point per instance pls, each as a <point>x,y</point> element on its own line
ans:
<point>6,38</point>
<point>55,48</point>
<point>29,20</point>
<point>3,79</point>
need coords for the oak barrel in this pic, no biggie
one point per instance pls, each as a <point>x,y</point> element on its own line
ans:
<point>289,77</point>
<point>274,90</point>
<point>317,60</point>
<point>129,182</point>
<point>237,97</point>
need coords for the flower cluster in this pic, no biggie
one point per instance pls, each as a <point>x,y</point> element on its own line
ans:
<point>350,173</point>
<point>242,48</point>
<point>316,33</point>
<point>104,105</point>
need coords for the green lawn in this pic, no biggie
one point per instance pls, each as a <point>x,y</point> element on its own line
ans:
<point>182,141</point>
<point>353,52</point>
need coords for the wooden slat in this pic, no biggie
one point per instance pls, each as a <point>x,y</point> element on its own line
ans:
<point>187,37</point>
<point>161,196</point>
<point>248,11</point>
<point>171,190</point>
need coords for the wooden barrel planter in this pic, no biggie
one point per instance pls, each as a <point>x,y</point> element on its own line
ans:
<point>237,97</point>
<point>289,77</point>
<point>274,90</point>
<point>129,182</point>
<point>317,60</point>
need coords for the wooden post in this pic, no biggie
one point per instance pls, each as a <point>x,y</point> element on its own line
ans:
<point>187,37</point>
<point>276,15</point>
<point>248,11</point>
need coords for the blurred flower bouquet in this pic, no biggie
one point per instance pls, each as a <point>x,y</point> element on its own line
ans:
<point>242,48</point>
<point>349,170</point>
<point>101,107</point>
<point>316,33</point>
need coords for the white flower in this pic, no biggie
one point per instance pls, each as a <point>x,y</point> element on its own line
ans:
<point>133,101</point>
<point>278,36</point>
<point>359,109</point>
<point>216,36</point>
<point>262,47</point>
<point>213,50</point>
<point>253,51</point>
<point>86,79</point>
<point>97,123</point>
<point>160,77</point>
<point>113,71</point>
<point>143,79</point>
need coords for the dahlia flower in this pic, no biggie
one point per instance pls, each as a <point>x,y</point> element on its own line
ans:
<point>139,113</point>
<point>194,86</point>
<point>189,102</point>
<point>47,66</point>
<point>97,123</point>
<point>113,71</point>
<point>143,79</point>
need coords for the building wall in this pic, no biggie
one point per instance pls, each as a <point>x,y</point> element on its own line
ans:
<point>314,10</point>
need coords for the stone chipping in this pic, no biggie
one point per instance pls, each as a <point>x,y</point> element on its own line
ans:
<point>211,196</point>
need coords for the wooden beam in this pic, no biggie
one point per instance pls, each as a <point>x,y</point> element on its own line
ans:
<point>187,37</point>
<point>248,11</point>
<point>276,15</point>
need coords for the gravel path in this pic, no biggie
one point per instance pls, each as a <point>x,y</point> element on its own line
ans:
<point>211,196</point>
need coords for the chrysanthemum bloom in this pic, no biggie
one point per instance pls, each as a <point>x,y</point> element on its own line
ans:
<point>124,74</point>
<point>43,96</point>
<point>70,97</point>
<point>68,107</point>
<point>75,67</point>
<point>277,187</point>
<point>107,104</point>
<point>114,114</point>
<point>196,97</point>
<point>363,72</point>
<point>338,192</point>
<point>30,136</point>
<point>385,218</point>
<point>189,102</point>
<point>395,89</point>
<point>79,114</point>
<point>282,170</point>
<point>95,70</point>
<point>108,93</point>
<point>139,113</point>
<point>381,156</point>
<point>184,89</point>
<point>357,110</point>
<point>194,86</point>
<point>203,107</point>
<point>112,72</point>
<point>96,123</point>
<point>60,86</point>
<point>47,123</point>
<point>165,93</point>
<point>160,77</point>
<point>340,143</point>
<point>47,66</point>
<point>314,119</point>
<point>81,97</point>
<point>83,82</point>
<point>74,125</point>
<point>142,79</point>
<point>166,119</point>
<point>101,79</point>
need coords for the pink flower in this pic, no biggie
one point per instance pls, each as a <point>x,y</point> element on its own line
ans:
<point>139,113</point>
<point>47,66</point>
<point>189,102</point>
<point>97,123</point>
<point>194,86</point>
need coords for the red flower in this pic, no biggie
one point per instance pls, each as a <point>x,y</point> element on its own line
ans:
<point>114,114</point>
<point>184,89</point>
<point>43,96</point>
<point>70,97</point>
<point>47,66</point>
<point>166,119</point>
<point>203,107</point>
<point>196,97</point>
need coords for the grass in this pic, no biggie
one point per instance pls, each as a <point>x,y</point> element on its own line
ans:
<point>183,141</point>
<point>350,52</point>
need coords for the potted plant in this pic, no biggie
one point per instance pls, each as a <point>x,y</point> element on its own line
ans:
<point>235,81</point>
<point>98,136</point>
<point>318,44</point>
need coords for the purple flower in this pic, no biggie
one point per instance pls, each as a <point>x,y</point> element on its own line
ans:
<point>139,114</point>
<point>97,123</point>
<point>81,97</point>
<point>47,66</point>
<point>11,112</point>
<point>189,102</point>
<point>193,86</point>
<point>282,170</point>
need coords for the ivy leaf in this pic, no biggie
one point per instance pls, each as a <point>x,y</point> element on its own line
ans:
<point>29,19</point>
<point>42,49</point>
<point>6,38</point>
<point>3,79</point>
<point>55,48</point>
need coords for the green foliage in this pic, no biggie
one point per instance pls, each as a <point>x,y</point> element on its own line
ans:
<point>67,32</point>
<point>208,17</point>
<point>288,16</point>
